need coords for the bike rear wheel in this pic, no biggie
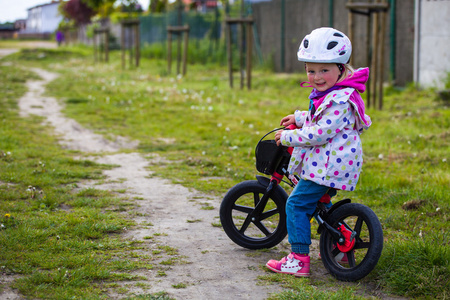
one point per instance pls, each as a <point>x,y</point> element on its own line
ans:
<point>364,256</point>
<point>264,230</point>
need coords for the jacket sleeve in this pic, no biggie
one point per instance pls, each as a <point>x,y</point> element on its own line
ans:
<point>300,117</point>
<point>332,120</point>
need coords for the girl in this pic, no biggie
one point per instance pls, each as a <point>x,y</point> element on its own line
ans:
<point>327,148</point>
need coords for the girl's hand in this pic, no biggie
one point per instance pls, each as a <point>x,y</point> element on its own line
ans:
<point>278,137</point>
<point>288,120</point>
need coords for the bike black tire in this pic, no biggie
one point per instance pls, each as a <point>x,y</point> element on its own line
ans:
<point>371,245</point>
<point>228,207</point>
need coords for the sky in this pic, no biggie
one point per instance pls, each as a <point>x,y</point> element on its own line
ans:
<point>11,10</point>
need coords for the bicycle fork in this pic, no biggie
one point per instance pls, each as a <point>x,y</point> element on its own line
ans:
<point>255,215</point>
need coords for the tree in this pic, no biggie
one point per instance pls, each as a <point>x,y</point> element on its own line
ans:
<point>78,11</point>
<point>157,6</point>
<point>130,6</point>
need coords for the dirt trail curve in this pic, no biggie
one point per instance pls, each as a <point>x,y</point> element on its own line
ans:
<point>218,269</point>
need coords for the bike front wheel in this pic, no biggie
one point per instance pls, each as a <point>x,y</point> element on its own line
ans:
<point>359,261</point>
<point>263,230</point>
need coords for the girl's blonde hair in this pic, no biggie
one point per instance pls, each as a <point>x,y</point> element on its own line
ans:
<point>348,72</point>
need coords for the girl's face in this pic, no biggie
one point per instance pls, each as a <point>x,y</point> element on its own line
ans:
<point>322,76</point>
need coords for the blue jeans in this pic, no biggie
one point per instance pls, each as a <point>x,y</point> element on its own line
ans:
<point>300,207</point>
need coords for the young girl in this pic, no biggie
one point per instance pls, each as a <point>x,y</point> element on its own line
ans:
<point>327,152</point>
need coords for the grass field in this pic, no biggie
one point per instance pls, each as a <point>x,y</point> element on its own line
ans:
<point>210,130</point>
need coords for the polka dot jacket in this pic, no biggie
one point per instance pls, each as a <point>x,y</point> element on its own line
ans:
<point>328,148</point>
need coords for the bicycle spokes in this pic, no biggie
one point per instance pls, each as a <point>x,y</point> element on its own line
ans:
<point>257,220</point>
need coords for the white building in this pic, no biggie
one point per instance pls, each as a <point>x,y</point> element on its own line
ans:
<point>43,18</point>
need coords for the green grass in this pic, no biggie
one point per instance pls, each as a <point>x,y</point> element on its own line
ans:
<point>62,241</point>
<point>209,132</point>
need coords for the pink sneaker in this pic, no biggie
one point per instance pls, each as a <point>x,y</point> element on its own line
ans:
<point>293,264</point>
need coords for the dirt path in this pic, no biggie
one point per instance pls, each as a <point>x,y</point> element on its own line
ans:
<point>217,268</point>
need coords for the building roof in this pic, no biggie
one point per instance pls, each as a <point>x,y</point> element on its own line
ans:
<point>46,4</point>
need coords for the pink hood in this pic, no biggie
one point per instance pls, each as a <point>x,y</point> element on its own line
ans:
<point>358,82</point>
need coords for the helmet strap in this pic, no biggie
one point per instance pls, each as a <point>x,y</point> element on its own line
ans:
<point>341,68</point>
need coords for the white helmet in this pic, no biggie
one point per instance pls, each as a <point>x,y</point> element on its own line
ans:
<point>325,45</point>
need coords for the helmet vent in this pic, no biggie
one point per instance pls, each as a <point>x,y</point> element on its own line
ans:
<point>305,43</point>
<point>342,53</point>
<point>338,34</point>
<point>331,45</point>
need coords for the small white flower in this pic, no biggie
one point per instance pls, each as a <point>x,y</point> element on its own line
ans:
<point>210,108</point>
<point>227,129</point>
<point>420,233</point>
<point>203,152</point>
<point>219,124</point>
<point>438,209</point>
<point>444,160</point>
<point>380,156</point>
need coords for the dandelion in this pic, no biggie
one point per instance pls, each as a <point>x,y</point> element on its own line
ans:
<point>7,215</point>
